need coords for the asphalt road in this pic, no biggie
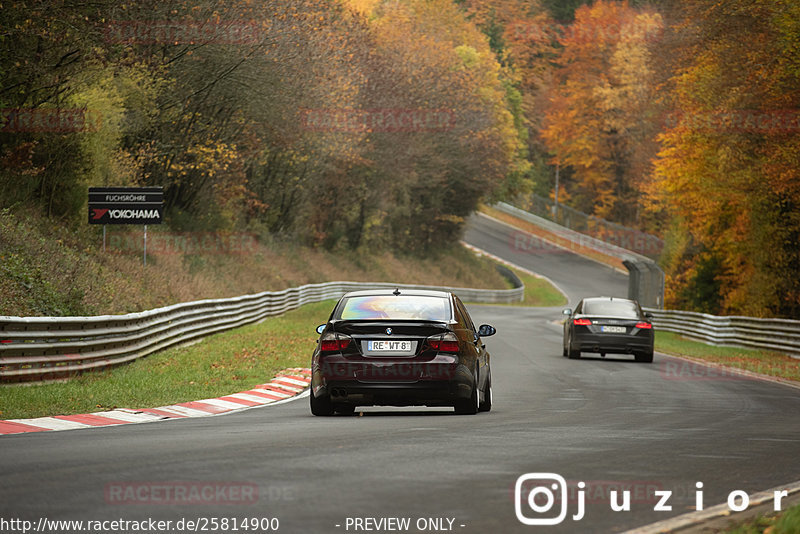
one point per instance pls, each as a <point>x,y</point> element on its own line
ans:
<point>610,423</point>
<point>576,275</point>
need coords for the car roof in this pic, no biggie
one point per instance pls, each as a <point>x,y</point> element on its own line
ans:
<point>403,293</point>
<point>607,299</point>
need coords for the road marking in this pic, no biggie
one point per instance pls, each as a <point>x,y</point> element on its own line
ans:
<point>51,423</point>
<point>224,403</point>
<point>263,394</point>
<point>15,427</point>
<point>256,399</point>
<point>189,412</point>
<point>91,419</point>
<point>129,417</point>
<point>277,389</point>
<point>292,381</point>
<point>288,385</point>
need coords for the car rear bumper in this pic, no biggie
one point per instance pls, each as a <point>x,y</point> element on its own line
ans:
<point>438,382</point>
<point>615,344</point>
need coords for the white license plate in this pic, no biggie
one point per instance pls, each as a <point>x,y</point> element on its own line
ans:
<point>613,329</point>
<point>389,346</point>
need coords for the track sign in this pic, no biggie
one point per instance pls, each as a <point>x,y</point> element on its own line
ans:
<point>126,205</point>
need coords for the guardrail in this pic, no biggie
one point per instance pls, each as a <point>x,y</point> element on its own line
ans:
<point>45,348</point>
<point>631,239</point>
<point>782,335</point>
<point>646,282</point>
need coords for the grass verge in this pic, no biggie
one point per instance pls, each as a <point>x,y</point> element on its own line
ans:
<point>787,522</point>
<point>539,292</point>
<point>758,361</point>
<point>218,365</point>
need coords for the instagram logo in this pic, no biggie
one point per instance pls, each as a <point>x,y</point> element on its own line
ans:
<point>540,492</point>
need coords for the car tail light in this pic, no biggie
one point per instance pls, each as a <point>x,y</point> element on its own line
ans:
<point>332,342</point>
<point>444,342</point>
<point>582,322</point>
<point>644,325</point>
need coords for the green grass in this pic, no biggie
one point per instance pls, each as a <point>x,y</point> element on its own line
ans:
<point>539,292</point>
<point>758,361</point>
<point>221,364</point>
<point>787,522</point>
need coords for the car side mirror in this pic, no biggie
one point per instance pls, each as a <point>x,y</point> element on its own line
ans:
<point>321,328</point>
<point>648,315</point>
<point>486,330</point>
<point>566,311</point>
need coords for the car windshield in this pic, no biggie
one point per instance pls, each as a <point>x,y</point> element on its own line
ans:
<point>613,308</point>
<point>396,307</point>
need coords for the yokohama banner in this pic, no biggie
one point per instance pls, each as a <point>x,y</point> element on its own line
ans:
<point>126,205</point>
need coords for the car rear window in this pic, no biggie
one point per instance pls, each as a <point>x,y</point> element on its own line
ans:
<point>613,308</point>
<point>396,307</point>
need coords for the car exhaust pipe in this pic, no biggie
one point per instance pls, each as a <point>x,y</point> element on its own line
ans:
<point>339,392</point>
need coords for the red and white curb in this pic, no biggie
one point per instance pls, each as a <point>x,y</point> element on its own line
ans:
<point>287,384</point>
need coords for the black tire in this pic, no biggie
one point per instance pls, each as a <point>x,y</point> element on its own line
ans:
<point>564,351</point>
<point>572,353</point>
<point>321,406</point>
<point>645,357</point>
<point>486,405</point>
<point>468,406</point>
<point>345,409</point>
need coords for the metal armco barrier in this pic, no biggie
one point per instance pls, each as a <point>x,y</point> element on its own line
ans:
<point>781,335</point>
<point>44,348</point>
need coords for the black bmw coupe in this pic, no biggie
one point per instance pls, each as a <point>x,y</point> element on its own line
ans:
<point>400,348</point>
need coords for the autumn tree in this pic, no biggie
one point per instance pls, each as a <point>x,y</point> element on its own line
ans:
<point>727,174</point>
<point>598,120</point>
<point>228,105</point>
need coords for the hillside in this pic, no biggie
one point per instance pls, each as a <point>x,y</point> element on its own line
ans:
<point>51,268</point>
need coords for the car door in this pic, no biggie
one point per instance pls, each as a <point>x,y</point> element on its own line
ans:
<point>473,340</point>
